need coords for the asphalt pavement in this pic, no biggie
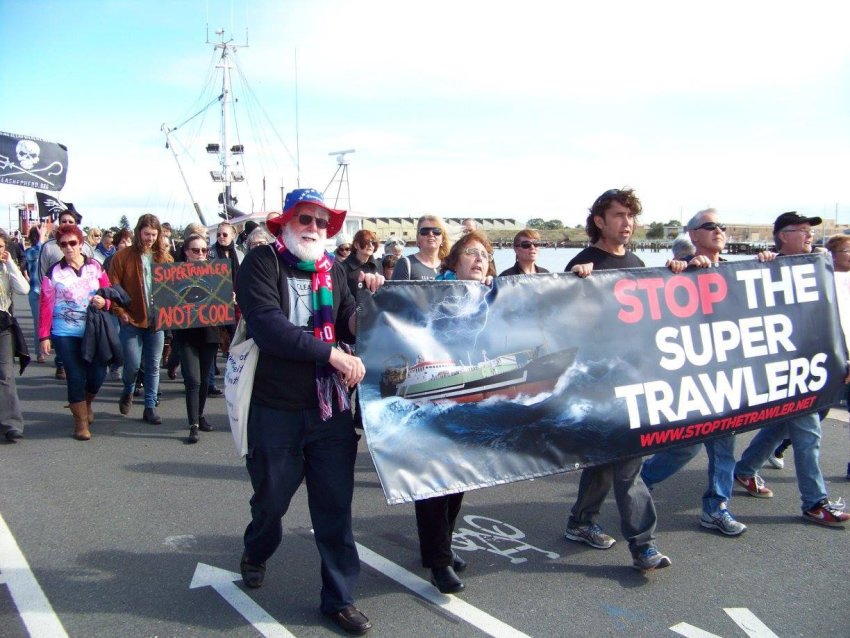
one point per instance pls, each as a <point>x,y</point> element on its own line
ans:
<point>136,533</point>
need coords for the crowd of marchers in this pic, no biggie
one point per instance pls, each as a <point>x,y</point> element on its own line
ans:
<point>90,295</point>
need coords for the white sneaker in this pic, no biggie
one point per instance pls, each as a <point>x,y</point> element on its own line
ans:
<point>776,461</point>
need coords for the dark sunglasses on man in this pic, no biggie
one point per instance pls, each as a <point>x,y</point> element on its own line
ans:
<point>528,244</point>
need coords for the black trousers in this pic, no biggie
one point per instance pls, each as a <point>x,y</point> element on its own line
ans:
<point>284,449</point>
<point>435,523</point>
<point>195,362</point>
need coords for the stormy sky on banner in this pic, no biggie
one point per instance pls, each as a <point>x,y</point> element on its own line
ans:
<point>470,387</point>
<point>32,162</point>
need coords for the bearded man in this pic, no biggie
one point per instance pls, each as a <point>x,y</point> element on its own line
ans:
<point>299,310</point>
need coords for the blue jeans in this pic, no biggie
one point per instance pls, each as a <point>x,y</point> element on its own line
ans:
<point>138,343</point>
<point>804,432</point>
<point>81,377</point>
<point>285,448</point>
<point>33,299</point>
<point>721,465</point>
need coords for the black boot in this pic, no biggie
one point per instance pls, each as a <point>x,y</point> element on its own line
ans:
<point>194,435</point>
<point>445,579</point>
<point>151,416</point>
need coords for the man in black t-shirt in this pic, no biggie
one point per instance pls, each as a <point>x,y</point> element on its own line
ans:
<point>610,226</point>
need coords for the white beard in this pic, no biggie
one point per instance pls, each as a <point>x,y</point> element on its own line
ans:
<point>305,251</point>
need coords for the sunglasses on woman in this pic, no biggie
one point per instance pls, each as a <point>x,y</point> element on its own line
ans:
<point>430,230</point>
<point>71,243</point>
<point>528,244</point>
<point>474,252</point>
<point>306,220</point>
<point>199,251</point>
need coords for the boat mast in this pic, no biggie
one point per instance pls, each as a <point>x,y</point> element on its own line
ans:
<point>225,152</point>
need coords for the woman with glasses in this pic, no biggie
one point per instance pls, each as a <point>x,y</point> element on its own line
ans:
<point>72,285</point>
<point>343,247</point>
<point>196,348</point>
<point>433,243</point>
<point>526,247</point>
<point>470,259</point>
<point>93,237</point>
<point>361,259</point>
<point>11,281</point>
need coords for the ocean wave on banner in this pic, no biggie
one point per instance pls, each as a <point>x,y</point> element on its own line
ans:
<point>564,429</point>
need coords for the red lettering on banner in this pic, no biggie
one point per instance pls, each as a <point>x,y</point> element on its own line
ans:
<point>708,290</point>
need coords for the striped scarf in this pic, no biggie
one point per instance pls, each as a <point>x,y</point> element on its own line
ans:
<point>328,380</point>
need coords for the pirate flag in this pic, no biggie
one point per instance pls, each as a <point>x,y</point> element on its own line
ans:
<point>50,207</point>
<point>32,162</point>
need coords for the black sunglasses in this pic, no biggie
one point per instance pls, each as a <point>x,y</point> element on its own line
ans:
<point>711,226</point>
<point>430,230</point>
<point>65,244</point>
<point>199,251</point>
<point>306,220</point>
<point>528,244</point>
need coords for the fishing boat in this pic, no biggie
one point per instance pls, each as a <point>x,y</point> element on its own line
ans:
<point>527,372</point>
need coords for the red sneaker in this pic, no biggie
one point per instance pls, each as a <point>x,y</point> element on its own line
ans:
<point>826,513</point>
<point>755,486</point>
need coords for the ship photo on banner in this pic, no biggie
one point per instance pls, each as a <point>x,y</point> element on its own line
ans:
<point>469,386</point>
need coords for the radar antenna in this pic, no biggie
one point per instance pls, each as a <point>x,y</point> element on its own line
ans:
<point>340,177</point>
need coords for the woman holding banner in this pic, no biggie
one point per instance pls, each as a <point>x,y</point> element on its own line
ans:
<point>361,259</point>
<point>471,258</point>
<point>72,285</point>
<point>196,348</point>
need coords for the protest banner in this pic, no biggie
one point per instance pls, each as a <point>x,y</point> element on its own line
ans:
<point>32,162</point>
<point>193,294</point>
<point>469,386</point>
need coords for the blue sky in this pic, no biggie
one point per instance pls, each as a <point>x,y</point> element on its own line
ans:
<point>456,108</point>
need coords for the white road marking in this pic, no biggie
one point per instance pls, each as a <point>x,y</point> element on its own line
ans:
<point>747,621</point>
<point>221,580</point>
<point>35,610</point>
<point>689,631</point>
<point>451,604</point>
<point>743,617</point>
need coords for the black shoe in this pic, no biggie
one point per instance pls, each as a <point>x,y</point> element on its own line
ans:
<point>151,416</point>
<point>252,575</point>
<point>204,425</point>
<point>445,579</point>
<point>214,392</point>
<point>194,436</point>
<point>351,619</point>
<point>124,403</point>
<point>13,435</point>
<point>137,391</point>
<point>458,564</point>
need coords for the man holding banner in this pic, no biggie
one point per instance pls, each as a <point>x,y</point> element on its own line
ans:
<point>708,236</point>
<point>793,236</point>
<point>610,226</point>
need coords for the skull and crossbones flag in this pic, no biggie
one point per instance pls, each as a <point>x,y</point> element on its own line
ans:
<point>50,207</point>
<point>32,162</point>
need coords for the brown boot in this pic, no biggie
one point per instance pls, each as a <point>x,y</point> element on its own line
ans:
<point>81,421</point>
<point>89,411</point>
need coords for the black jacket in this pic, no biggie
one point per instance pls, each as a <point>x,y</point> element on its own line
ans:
<point>100,339</point>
